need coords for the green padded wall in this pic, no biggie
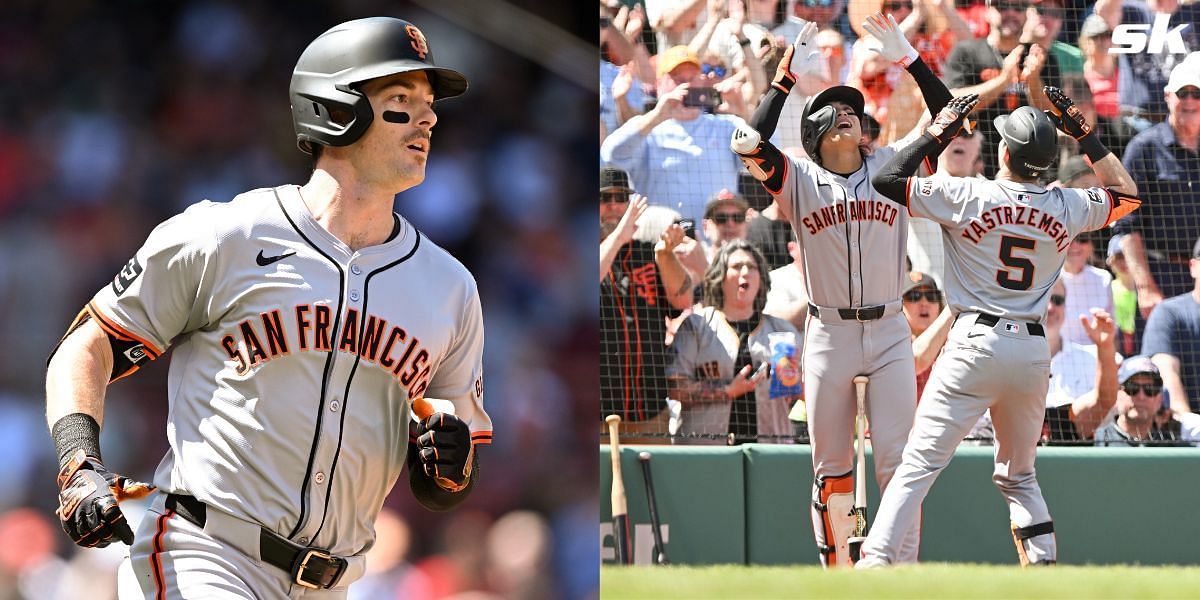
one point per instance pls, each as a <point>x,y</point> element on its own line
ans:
<point>749,504</point>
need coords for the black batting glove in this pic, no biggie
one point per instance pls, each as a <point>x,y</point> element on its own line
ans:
<point>949,122</point>
<point>88,501</point>
<point>445,450</point>
<point>1070,119</point>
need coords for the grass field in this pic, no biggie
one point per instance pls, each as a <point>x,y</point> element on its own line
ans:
<point>933,580</point>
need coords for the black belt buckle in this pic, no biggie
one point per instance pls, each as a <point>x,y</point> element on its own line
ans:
<point>316,569</point>
<point>862,315</point>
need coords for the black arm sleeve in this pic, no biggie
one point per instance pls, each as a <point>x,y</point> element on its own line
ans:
<point>936,94</point>
<point>892,179</point>
<point>767,157</point>
<point>766,117</point>
<point>427,491</point>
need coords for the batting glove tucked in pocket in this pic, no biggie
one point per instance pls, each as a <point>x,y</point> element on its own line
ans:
<point>445,449</point>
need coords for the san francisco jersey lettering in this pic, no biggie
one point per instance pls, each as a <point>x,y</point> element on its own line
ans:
<point>315,351</point>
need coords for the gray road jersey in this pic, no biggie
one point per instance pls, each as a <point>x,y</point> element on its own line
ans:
<point>854,239</point>
<point>1005,242</point>
<point>295,358</point>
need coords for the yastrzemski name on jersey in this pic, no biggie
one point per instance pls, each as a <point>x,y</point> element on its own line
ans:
<point>1017,215</point>
<point>388,346</point>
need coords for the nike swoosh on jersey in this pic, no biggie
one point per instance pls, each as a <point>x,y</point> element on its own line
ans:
<point>266,260</point>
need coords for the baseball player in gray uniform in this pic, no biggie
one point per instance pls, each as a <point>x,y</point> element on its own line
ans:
<point>1006,241</point>
<point>306,322</point>
<point>853,241</point>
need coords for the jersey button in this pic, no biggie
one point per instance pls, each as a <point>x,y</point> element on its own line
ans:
<point>357,270</point>
<point>334,406</point>
<point>354,295</point>
<point>303,540</point>
<point>319,478</point>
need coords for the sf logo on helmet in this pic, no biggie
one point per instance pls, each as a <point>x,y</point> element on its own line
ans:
<point>418,41</point>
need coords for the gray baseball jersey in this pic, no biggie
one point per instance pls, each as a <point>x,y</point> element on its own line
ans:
<point>1005,242</point>
<point>853,240</point>
<point>706,347</point>
<point>1005,245</point>
<point>295,360</point>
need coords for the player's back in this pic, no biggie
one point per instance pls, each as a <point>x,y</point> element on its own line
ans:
<point>1005,241</point>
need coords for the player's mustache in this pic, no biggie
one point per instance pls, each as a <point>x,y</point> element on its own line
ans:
<point>419,135</point>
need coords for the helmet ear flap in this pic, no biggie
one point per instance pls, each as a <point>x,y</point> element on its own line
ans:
<point>815,126</point>
<point>332,119</point>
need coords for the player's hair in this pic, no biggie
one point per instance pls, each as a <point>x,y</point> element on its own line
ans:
<point>714,295</point>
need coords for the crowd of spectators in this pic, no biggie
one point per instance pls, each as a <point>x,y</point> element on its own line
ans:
<point>678,75</point>
<point>121,113</point>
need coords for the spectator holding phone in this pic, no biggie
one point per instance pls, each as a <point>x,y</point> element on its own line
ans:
<point>675,153</point>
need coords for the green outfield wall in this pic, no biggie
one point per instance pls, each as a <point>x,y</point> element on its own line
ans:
<point>749,504</point>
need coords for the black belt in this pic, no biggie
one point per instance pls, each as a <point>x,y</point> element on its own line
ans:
<point>869,313</point>
<point>990,320</point>
<point>310,567</point>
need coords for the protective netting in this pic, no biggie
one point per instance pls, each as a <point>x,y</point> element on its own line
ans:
<point>671,361</point>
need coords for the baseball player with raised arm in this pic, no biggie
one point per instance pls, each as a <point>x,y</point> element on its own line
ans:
<point>1006,240</point>
<point>853,241</point>
<point>308,322</point>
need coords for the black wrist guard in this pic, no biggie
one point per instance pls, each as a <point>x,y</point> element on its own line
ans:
<point>76,431</point>
<point>1093,148</point>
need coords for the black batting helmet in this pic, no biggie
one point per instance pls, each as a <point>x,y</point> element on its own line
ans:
<point>327,75</point>
<point>1032,141</point>
<point>819,117</point>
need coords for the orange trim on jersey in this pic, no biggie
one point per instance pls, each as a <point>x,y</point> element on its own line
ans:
<point>908,195</point>
<point>112,328</point>
<point>1120,205</point>
<point>481,437</point>
<point>156,561</point>
<point>131,371</point>
<point>787,170</point>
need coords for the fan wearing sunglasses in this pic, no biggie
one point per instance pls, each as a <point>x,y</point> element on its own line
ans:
<point>924,308</point>
<point>724,221</point>
<point>1142,416</point>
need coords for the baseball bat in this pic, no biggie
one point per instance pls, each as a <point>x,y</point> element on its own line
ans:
<point>660,551</point>
<point>860,473</point>
<point>620,512</point>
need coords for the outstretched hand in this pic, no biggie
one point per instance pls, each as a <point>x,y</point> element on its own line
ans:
<point>799,58</point>
<point>628,225</point>
<point>1070,119</point>
<point>889,40</point>
<point>1101,329</point>
<point>949,122</point>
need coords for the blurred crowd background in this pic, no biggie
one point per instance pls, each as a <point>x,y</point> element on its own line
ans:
<point>118,114</point>
<point>1131,66</point>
